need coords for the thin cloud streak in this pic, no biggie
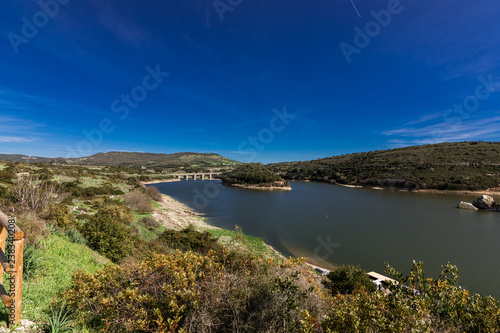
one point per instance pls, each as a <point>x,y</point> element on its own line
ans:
<point>15,139</point>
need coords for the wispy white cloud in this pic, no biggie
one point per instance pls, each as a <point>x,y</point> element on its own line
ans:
<point>15,139</point>
<point>482,127</point>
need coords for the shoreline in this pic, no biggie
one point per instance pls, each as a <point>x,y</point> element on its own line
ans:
<point>424,190</point>
<point>261,188</point>
<point>175,215</point>
<point>159,181</point>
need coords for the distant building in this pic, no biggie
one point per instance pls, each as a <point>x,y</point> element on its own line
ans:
<point>279,182</point>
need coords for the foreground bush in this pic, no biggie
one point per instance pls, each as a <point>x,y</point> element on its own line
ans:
<point>188,292</point>
<point>415,304</point>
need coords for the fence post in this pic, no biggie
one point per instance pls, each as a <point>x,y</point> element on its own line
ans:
<point>12,264</point>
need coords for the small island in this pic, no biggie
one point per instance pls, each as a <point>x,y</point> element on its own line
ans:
<point>255,176</point>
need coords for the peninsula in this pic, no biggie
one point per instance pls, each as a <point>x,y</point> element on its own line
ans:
<point>254,176</point>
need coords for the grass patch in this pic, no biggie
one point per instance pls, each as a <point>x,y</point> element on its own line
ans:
<point>63,179</point>
<point>91,182</point>
<point>254,244</point>
<point>59,260</point>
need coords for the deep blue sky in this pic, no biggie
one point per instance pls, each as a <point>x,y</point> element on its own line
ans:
<point>231,66</point>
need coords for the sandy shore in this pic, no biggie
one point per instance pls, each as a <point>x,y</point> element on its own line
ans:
<point>261,188</point>
<point>160,181</point>
<point>175,215</point>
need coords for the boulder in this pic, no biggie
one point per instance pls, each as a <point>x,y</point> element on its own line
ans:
<point>484,202</point>
<point>466,205</point>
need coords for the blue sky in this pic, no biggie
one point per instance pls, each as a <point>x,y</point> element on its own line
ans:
<point>252,80</point>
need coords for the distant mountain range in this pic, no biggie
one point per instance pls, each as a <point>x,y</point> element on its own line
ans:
<point>136,160</point>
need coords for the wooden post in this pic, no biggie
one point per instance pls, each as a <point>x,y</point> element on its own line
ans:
<point>17,288</point>
<point>3,235</point>
<point>12,264</point>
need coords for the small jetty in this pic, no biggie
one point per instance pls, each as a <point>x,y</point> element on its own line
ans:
<point>380,280</point>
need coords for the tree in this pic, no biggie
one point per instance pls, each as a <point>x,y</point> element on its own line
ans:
<point>346,279</point>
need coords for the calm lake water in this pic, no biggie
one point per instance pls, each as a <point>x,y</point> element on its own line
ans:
<point>334,225</point>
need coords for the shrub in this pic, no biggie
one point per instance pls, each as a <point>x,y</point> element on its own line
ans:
<point>108,232</point>
<point>34,228</point>
<point>6,175</point>
<point>152,296</point>
<point>7,193</point>
<point>61,217</point>
<point>31,261</point>
<point>76,237</point>
<point>154,194</point>
<point>149,222</point>
<point>139,201</point>
<point>415,304</point>
<point>346,279</point>
<point>35,194</point>
<point>189,239</point>
<point>188,292</point>
<point>58,322</point>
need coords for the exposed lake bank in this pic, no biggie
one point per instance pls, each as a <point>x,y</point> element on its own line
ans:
<point>259,187</point>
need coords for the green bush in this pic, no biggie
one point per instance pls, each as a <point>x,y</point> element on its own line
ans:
<point>189,239</point>
<point>108,232</point>
<point>61,216</point>
<point>415,304</point>
<point>76,237</point>
<point>346,279</point>
<point>7,175</point>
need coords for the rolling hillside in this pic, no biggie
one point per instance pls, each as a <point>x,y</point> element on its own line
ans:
<point>136,160</point>
<point>445,166</point>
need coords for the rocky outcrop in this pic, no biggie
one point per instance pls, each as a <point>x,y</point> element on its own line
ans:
<point>466,205</point>
<point>484,202</point>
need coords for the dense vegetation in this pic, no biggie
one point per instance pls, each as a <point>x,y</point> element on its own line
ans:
<point>252,173</point>
<point>100,257</point>
<point>445,166</point>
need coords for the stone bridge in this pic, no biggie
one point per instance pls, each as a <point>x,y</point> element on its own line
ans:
<point>195,176</point>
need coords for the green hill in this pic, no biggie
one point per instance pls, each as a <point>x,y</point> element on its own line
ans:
<point>136,160</point>
<point>444,166</point>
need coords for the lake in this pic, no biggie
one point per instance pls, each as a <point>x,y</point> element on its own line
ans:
<point>333,225</point>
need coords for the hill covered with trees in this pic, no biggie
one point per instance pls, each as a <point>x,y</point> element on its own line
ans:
<point>444,166</point>
<point>252,174</point>
<point>135,160</point>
